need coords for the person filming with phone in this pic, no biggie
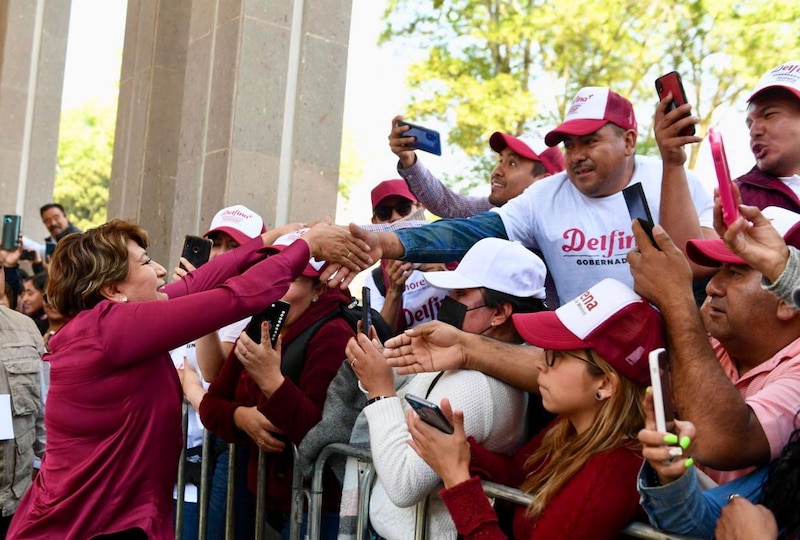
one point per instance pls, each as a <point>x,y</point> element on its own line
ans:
<point>577,218</point>
<point>114,404</point>
<point>581,470</point>
<point>252,401</point>
<point>735,362</point>
<point>495,280</point>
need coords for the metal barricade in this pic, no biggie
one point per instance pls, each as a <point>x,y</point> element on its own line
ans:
<point>497,491</point>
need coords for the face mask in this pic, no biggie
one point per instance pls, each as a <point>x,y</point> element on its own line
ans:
<point>453,312</point>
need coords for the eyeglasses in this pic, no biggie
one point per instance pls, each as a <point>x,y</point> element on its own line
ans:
<point>551,355</point>
<point>384,211</point>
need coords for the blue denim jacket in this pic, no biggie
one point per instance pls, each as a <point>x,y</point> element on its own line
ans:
<point>449,239</point>
<point>683,507</point>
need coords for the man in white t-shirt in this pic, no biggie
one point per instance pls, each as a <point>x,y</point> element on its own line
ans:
<point>578,218</point>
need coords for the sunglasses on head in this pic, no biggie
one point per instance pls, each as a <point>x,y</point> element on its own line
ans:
<point>384,211</point>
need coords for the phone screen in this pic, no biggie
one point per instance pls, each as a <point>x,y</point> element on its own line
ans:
<point>428,140</point>
<point>730,212</point>
<point>366,315</point>
<point>430,413</point>
<point>638,208</point>
<point>661,383</point>
<point>275,315</point>
<point>672,82</point>
<point>196,250</point>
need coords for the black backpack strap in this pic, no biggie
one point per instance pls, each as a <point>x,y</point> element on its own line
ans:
<point>380,282</point>
<point>433,383</point>
<point>293,356</point>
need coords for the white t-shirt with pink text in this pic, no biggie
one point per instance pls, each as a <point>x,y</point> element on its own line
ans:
<point>420,300</point>
<point>586,239</point>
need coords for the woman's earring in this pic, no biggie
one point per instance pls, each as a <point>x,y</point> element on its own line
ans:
<point>124,299</point>
<point>314,298</point>
<point>598,396</point>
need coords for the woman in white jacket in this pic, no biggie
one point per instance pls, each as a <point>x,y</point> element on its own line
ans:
<point>495,279</point>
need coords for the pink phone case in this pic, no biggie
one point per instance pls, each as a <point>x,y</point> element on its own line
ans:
<point>730,210</point>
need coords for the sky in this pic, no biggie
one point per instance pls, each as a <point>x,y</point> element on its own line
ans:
<point>376,91</point>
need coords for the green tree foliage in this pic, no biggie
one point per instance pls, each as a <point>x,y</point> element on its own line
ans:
<point>351,169</point>
<point>512,65</point>
<point>85,149</point>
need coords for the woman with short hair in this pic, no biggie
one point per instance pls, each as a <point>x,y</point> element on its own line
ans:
<point>114,406</point>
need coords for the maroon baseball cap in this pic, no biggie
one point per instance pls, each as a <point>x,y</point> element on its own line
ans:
<point>714,252</point>
<point>609,318</point>
<point>529,145</point>
<point>387,188</point>
<point>592,108</point>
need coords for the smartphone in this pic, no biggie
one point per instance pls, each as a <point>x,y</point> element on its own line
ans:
<point>430,413</point>
<point>11,228</point>
<point>660,382</point>
<point>366,314</point>
<point>672,82</point>
<point>638,208</point>
<point>275,315</point>
<point>196,250</point>
<point>49,249</point>
<point>730,212</point>
<point>428,140</point>
<point>27,255</point>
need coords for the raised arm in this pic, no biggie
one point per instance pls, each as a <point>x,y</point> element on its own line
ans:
<point>677,211</point>
<point>729,434</point>
<point>436,346</point>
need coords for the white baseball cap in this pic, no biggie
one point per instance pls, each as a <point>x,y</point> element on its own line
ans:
<point>238,221</point>
<point>783,76</point>
<point>500,265</point>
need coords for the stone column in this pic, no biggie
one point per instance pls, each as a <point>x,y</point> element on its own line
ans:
<point>260,117</point>
<point>33,48</point>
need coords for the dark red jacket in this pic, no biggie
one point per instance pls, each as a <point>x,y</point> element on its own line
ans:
<point>761,189</point>
<point>292,409</point>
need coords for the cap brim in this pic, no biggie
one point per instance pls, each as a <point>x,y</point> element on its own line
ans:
<point>449,280</point>
<point>236,234</point>
<point>794,91</point>
<point>711,253</point>
<point>573,127</point>
<point>499,141</point>
<point>545,330</point>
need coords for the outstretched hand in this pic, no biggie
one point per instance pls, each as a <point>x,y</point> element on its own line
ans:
<point>363,248</point>
<point>753,238</point>
<point>433,346</point>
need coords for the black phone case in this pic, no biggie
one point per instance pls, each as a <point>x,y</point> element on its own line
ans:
<point>196,250</point>
<point>366,314</point>
<point>430,413</point>
<point>638,208</point>
<point>275,315</point>
<point>672,82</point>
<point>11,228</point>
<point>428,140</point>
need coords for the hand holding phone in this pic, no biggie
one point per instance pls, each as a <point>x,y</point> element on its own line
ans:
<point>730,210</point>
<point>672,82</point>
<point>430,413</point>
<point>639,210</point>
<point>196,250</point>
<point>427,139</point>
<point>661,385</point>
<point>275,315</point>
